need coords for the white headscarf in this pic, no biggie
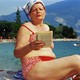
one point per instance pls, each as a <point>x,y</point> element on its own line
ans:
<point>29,5</point>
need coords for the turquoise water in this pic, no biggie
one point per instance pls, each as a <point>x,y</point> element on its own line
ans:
<point>9,62</point>
<point>66,48</point>
<point>7,59</point>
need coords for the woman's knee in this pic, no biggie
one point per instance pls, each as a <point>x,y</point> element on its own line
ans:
<point>38,75</point>
<point>76,60</point>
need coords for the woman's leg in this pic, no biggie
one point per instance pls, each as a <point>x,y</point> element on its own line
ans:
<point>57,69</point>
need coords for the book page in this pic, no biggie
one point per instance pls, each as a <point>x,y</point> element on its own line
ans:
<point>45,36</point>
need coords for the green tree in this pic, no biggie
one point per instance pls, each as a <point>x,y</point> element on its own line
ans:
<point>72,33</point>
<point>58,32</point>
<point>8,29</point>
<point>68,32</point>
<point>18,17</point>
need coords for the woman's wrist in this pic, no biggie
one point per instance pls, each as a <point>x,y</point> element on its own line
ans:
<point>30,45</point>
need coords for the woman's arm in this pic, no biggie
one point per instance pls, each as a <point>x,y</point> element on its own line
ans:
<point>52,46</point>
<point>22,46</point>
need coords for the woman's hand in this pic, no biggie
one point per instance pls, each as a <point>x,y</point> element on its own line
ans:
<point>37,45</point>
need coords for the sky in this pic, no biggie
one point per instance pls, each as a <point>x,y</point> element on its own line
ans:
<point>9,6</point>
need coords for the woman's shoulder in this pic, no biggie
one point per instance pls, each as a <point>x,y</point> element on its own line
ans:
<point>46,26</point>
<point>26,24</point>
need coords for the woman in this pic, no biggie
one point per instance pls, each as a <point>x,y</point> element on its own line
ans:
<point>38,62</point>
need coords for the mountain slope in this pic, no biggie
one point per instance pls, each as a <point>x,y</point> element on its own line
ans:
<point>66,12</point>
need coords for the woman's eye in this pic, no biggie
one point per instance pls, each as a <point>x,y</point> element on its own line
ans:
<point>34,10</point>
<point>40,9</point>
<point>37,9</point>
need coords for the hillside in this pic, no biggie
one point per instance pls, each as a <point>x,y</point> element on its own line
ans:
<point>66,12</point>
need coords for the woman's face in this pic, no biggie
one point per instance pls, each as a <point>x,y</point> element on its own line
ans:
<point>37,12</point>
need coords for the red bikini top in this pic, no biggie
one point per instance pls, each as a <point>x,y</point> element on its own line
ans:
<point>28,29</point>
<point>32,36</point>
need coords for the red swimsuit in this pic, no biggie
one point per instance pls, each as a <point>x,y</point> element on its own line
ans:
<point>28,63</point>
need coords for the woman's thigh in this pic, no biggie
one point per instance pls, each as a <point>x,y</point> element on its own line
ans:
<point>55,69</point>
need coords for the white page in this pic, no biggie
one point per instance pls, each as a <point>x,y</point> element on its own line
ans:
<point>45,36</point>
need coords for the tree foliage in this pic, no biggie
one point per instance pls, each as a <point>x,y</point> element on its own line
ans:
<point>18,17</point>
<point>62,31</point>
<point>8,29</point>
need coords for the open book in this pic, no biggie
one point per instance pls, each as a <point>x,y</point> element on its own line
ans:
<point>45,36</point>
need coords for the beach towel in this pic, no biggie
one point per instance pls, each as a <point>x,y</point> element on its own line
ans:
<point>18,75</point>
